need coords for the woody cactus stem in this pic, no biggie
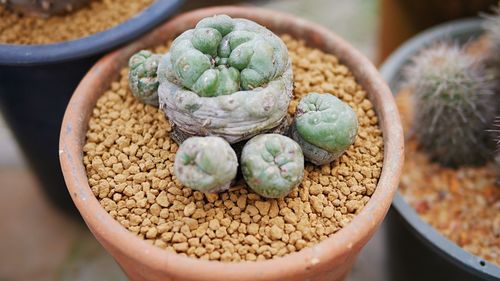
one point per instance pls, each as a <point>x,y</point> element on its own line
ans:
<point>324,127</point>
<point>44,8</point>
<point>272,165</point>
<point>226,77</point>
<point>206,164</point>
<point>454,94</point>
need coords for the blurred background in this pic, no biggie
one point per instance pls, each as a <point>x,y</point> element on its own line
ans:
<point>39,242</point>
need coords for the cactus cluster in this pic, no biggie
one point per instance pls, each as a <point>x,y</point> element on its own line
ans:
<point>228,81</point>
<point>226,77</point>
<point>44,8</point>
<point>454,94</point>
<point>324,126</point>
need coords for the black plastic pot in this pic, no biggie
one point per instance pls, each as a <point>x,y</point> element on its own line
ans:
<point>36,83</point>
<point>417,251</point>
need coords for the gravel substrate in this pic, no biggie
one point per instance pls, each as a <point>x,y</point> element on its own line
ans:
<point>129,160</point>
<point>96,17</point>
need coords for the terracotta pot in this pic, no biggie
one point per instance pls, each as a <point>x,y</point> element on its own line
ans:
<point>329,260</point>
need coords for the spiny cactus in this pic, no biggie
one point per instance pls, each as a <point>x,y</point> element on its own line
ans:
<point>206,164</point>
<point>272,165</point>
<point>142,78</point>
<point>226,77</point>
<point>324,127</point>
<point>44,7</point>
<point>454,95</point>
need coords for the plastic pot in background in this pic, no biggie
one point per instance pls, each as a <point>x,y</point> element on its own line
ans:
<point>329,260</point>
<point>37,81</point>
<point>401,19</point>
<point>416,250</point>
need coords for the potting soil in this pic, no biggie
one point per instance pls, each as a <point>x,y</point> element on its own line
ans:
<point>98,16</point>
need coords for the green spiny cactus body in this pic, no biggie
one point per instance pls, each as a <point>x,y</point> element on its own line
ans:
<point>272,165</point>
<point>142,78</point>
<point>226,77</point>
<point>206,164</point>
<point>44,8</point>
<point>453,92</point>
<point>324,127</point>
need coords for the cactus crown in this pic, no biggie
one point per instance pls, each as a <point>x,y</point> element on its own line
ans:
<point>222,55</point>
<point>454,93</point>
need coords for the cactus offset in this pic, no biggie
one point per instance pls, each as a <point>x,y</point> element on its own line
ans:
<point>143,80</point>
<point>206,164</point>
<point>44,8</point>
<point>272,165</point>
<point>324,127</point>
<point>454,94</point>
<point>226,77</point>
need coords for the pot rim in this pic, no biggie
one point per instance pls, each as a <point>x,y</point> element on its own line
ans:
<point>100,42</point>
<point>343,245</point>
<point>391,71</point>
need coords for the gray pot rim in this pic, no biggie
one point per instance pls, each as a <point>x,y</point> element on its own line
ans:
<point>13,54</point>
<point>391,71</point>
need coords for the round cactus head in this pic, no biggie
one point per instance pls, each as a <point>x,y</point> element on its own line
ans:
<point>142,77</point>
<point>226,77</point>
<point>221,56</point>
<point>454,94</point>
<point>324,126</point>
<point>272,165</point>
<point>206,164</point>
<point>44,8</point>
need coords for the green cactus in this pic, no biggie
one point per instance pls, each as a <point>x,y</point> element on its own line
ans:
<point>226,77</point>
<point>206,164</point>
<point>272,165</point>
<point>454,94</point>
<point>324,127</point>
<point>44,8</point>
<point>142,77</point>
